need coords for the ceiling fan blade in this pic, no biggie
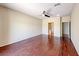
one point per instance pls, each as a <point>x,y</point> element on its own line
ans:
<point>57,4</point>
<point>47,15</point>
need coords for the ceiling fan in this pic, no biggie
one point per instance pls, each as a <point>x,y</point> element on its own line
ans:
<point>46,14</point>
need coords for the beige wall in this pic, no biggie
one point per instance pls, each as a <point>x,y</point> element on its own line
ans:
<point>4,23</point>
<point>16,26</point>
<point>75,27</point>
<point>56,21</point>
<point>66,19</point>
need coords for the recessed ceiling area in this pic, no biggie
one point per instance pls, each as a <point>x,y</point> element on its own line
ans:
<point>36,9</point>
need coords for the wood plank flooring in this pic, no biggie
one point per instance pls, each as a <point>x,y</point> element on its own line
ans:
<point>41,45</point>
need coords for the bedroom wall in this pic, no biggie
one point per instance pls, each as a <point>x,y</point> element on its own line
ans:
<point>75,27</point>
<point>17,26</point>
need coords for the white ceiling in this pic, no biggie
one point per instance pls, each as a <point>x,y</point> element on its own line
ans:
<point>36,9</point>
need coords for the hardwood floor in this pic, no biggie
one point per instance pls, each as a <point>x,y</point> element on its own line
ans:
<point>41,45</point>
<point>68,48</point>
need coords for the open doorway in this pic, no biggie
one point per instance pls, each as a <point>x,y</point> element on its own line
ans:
<point>66,29</point>
<point>51,29</point>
